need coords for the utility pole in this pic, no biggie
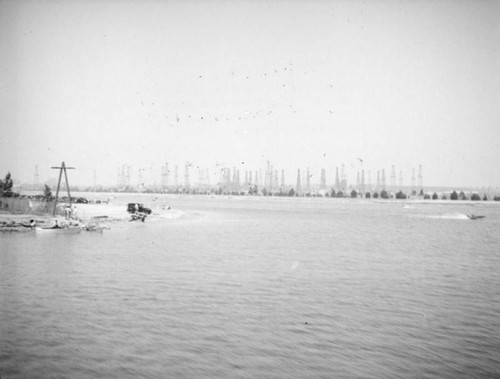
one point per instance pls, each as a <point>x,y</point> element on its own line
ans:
<point>61,169</point>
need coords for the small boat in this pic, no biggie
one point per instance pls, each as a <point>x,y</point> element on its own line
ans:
<point>475,217</point>
<point>138,216</point>
<point>65,230</point>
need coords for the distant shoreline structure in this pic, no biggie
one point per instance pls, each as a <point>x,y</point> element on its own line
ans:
<point>271,182</point>
<point>431,194</point>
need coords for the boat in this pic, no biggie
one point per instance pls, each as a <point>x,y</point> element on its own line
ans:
<point>138,216</point>
<point>65,230</point>
<point>475,217</point>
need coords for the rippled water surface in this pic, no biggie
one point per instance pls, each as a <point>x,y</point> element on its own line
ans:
<point>259,287</point>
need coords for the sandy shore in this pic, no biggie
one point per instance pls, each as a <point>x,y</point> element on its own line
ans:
<point>83,214</point>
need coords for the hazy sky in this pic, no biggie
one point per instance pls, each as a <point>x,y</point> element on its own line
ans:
<point>99,84</point>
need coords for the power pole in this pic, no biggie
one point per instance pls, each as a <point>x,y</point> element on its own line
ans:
<point>61,169</point>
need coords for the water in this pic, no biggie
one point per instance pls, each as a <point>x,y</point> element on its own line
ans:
<point>259,287</point>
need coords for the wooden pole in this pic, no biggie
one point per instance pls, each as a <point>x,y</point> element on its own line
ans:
<point>57,191</point>
<point>67,184</point>
<point>61,169</point>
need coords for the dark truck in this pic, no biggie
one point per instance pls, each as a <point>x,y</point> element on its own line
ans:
<point>137,207</point>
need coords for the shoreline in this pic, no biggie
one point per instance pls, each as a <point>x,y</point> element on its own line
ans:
<point>92,216</point>
<point>103,214</point>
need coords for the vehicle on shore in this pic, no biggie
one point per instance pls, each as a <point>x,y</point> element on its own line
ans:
<point>138,208</point>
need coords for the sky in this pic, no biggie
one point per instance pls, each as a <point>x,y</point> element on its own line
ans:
<point>101,84</point>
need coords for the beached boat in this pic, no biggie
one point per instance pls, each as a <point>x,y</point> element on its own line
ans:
<point>66,230</point>
<point>138,216</point>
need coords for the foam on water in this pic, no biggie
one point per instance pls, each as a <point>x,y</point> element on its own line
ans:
<point>451,216</point>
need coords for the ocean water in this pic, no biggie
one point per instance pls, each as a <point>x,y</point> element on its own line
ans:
<point>259,287</point>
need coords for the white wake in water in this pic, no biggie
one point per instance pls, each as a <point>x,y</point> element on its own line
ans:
<point>451,216</point>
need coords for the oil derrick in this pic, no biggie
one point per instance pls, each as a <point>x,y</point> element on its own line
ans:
<point>221,177</point>
<point>226,179</point>
<point>362,188</point>
<point>233,181</point>
<point>393,177</point>
<point>420,178</point>
<point>140,181</point>
<point>269,176</point>
<point>337,179</point>
<point>186,175</point>
<point>167,174</point>
<point>36,179</point>
<point>378,181</point>
<point>260,177</point>
<point>400,179</point>
<point>164,176</point>
<point>276,180</point>
<point>270,179</point>
<point>343,178</point>
<point>308,181</point>
<point>250,181</point>
<point>323,179</point>
<point>383,179</point>
<point>413,180</point>
<point>119,177</point>
<point>200,178</point>
<point>124,176</point>
<point>298,187</point>
<point>236,180</point>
